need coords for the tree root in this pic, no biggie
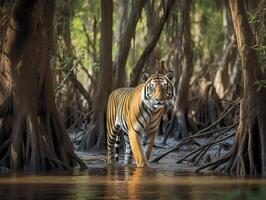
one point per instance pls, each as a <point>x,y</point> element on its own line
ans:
<point>205,147</point>
<point>39,145</point>
<point>201,133</point>
<point>215,164</point>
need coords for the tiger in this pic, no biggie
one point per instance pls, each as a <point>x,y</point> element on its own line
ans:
<point>137,112</point>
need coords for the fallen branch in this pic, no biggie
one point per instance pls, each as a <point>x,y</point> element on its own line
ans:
<point>215,163</point>
<point>209,144</point>
<point>196,135</point>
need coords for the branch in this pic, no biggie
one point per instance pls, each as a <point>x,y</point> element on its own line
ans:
<point>89,42</point>
<point>198,134</point>
<point>151,44</point>
<point>209,144</point>
<point>66,77</point>
<point>93,81</point>
<point>125,41</point>
<point>77,84</point>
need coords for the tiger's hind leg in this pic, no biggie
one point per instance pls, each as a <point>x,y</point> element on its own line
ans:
<point>128,152</point>
<point>112,134</point>
<point>117,142</point>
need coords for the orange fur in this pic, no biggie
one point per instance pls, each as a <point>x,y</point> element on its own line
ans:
<point>127,110</point>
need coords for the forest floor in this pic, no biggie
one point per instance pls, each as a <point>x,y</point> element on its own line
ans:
<point>169,162</point>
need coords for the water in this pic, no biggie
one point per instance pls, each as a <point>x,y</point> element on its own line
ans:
<point>127,183</point>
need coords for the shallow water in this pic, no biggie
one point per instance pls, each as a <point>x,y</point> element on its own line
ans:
<point>125,183</point>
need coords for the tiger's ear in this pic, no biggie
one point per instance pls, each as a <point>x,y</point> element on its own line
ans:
<point>170,75</point>
<point>145,76</point>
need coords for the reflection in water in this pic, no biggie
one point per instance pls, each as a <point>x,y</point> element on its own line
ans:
<point>125,183</point>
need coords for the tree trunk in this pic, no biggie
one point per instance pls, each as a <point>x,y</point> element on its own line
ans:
<point>32,135</point>
<point>64,30</point>
<point>96,132</point>
<point>152,21</point>
<point>221,80</point>
<point>5,73</point>
<point>134,79</point>
<point>125,42</point>
<point>187,71</point>
<point>249,151</point>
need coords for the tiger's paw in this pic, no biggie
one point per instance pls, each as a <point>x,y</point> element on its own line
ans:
<point>111,161</point>
<point>143,165</point>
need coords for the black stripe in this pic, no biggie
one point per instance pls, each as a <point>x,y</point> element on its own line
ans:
<point>110,145</point>
<point>134,128</point>
<point>153,126</point>
<point>146,143</point>
<point>126,126</point>
<point>146,110</point>
<point>152,133</point>
<point>112,137</point>
<point>140,110</point>
<point>145,91</point>
<point>110,140</point>
<point>138,120</point>
<point>154,112</point>
<point>155,119</point>
<point>159,78</point>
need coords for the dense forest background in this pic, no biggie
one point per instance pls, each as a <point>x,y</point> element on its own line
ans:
<point>61,59</point>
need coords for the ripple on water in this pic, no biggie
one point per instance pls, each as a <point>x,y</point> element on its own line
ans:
<point>123,183</point>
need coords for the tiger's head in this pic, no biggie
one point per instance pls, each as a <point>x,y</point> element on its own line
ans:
<point>157,89</point>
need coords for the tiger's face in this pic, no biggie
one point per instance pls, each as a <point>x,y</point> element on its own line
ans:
<point>158,88</point>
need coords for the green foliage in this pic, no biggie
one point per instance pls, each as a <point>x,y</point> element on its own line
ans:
<point>261,84</point>
<point>3,16</point>
<point>207,23</point>
<point>256,20</point>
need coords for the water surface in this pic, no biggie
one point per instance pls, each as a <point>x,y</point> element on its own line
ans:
<point>124,183</point>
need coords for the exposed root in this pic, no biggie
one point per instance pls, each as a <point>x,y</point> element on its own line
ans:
<point>199,134</point>
<point>39,145</point>
<point>205,147</point>
<point>209,105</point>
<point>216,163</point>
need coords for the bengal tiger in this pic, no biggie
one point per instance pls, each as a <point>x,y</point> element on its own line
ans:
<point>137,112</point>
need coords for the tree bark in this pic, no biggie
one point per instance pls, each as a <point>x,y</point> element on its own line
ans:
<point>125,42</point>
<point>5,73</point>
<point>249,151</point>
<point>221,80</point>
<point>32,135</point>
<point>135,74</point>
<point>187,71</point>
<point>95,137</point>
<point>77,84</point>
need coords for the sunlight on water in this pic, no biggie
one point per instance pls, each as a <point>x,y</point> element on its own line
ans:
<point>123,183</point>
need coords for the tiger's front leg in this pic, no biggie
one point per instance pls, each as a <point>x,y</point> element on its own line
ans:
<point>136,147</point>
<point>147,142</point>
